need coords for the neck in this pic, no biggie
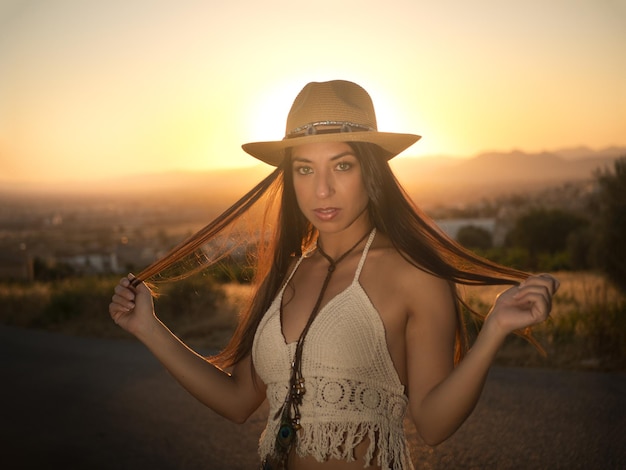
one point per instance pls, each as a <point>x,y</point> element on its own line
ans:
<point>336,244</point>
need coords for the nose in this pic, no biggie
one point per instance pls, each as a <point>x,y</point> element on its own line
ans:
<point>324,186</point>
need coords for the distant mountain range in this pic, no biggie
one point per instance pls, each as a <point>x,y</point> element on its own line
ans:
<point>493,173</point>
<point>516,165</point>
<point>430,179</point>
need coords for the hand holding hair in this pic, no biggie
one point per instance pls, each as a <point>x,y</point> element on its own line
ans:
<point>525,305</point>
<point>131,306</point>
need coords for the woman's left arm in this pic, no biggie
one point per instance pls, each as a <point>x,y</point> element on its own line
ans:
<point>443,396</point>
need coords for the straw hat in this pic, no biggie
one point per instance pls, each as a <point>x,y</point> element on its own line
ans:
<point>335,111</point>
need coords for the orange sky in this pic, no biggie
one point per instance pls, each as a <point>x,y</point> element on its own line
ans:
<point>91,89</point>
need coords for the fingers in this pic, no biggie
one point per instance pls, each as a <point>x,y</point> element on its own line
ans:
<point>538,291</point>
<point>550,282</point>
<point>123,299</point>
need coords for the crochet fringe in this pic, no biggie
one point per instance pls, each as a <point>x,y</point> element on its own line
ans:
<point>325,441</point>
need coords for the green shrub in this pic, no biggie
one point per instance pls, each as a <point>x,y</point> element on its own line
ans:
<point>71,299</point>
<point>22,304</point>
<point>193,297</point>
<point>191,307</point>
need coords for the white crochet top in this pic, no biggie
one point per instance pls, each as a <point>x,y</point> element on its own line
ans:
<point>353,391</point>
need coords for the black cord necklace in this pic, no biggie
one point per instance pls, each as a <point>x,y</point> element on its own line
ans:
<point>290,411</point>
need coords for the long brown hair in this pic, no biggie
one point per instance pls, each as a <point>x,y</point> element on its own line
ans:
<point>285,233</point>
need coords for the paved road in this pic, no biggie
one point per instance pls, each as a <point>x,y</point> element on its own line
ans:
<point>79,403</point>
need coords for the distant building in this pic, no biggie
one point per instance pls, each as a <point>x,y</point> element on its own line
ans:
<point>92,263</point>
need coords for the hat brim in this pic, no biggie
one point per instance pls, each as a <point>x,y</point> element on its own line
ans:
<point>273,152</point>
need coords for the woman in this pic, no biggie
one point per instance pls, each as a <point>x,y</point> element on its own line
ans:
<point>356,315</point>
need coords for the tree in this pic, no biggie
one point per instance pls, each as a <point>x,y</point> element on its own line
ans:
<point>544,232</point>
<point>473,237</point>
<point>609,209</point>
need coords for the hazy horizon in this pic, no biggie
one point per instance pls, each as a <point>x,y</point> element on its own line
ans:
<point>487,174</point>
<point>569,153</point>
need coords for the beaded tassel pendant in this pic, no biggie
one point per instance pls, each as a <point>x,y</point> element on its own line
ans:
<point>289,423</point>
<point>290,414</point>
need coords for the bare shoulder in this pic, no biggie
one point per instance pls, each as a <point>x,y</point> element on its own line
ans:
<point>415,288</point>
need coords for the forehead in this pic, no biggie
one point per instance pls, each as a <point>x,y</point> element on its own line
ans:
<point>321,151</point>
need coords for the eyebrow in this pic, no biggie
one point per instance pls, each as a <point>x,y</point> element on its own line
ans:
<point>332,159</point>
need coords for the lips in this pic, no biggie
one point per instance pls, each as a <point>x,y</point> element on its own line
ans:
<point>326,213</point>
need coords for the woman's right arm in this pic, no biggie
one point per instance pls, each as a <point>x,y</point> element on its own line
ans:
<point>234,395</point>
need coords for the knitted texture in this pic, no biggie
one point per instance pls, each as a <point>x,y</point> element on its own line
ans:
<point>353,392</point>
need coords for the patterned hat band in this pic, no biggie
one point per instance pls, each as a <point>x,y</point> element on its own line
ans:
<point>324,127</point>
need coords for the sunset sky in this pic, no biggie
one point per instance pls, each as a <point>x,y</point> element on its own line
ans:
<point>91,89</point>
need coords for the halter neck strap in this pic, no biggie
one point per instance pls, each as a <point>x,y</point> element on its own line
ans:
<point>366,249</point>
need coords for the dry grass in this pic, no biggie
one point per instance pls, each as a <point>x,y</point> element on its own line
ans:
<point>587,328</point>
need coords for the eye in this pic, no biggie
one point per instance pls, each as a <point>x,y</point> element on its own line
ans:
<point>303,170</point>
<point>343,166</point>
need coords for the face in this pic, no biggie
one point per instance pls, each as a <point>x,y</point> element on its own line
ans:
<point>329,187</point>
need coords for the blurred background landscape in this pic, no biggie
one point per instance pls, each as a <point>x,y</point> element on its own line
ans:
<point>62,248</point>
